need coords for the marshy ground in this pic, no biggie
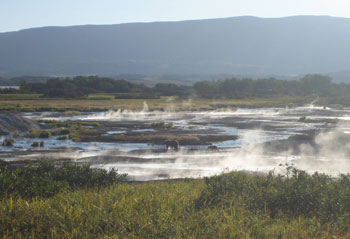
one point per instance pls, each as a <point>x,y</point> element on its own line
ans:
<point>311,138</point>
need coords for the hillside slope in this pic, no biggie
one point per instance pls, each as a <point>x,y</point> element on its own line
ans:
<point>238,45</point>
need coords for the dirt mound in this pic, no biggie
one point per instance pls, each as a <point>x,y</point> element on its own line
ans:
<point>10,123</point>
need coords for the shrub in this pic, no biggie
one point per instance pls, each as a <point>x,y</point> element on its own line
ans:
<point>8,142</point>
<point>44,179</point>
<point>296,194</point>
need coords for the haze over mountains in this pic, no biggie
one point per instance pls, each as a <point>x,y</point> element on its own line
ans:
<point>238,45</point>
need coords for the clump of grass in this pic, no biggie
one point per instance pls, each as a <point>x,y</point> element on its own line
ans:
<point>38,144</point>
<point>44,134</point>
<point>75,129</point>
<point>77,133</point>
<point>162,125</point>
<point>35,133</point>
<point>68,124</point>
<point>64,137</point>
<point>302,119</point>
<point>35,144</point>
<point>60,132</point>
<point>15,134</point>
<point>8,142</point>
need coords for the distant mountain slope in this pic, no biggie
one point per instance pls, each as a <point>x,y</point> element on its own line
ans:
<point>238,45</point>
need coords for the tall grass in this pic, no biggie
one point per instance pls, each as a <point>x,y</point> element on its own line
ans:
<point>183,209</point>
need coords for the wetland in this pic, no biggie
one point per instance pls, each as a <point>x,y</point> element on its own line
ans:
<point>310,138</point>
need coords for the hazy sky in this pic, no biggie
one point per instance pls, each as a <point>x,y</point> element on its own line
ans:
<point>21,14</point>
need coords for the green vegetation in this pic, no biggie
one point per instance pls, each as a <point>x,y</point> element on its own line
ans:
<point>67,124</point>
<point>235,205</point>
<point>20,96</point>
<point>84,105</point>
<point>83,86</point>
<point>35,144</point>
<point>318,85</point>
<point>36,133</point>
<point>161,125</point>
<point>88,132</point>
<point>293,195</point>
<point>15,134</point>
<point>136,96</point>
<point>64,137</point>
<point>77,133</point>
<point>44,179</point>
<point>44,134</point>
<point>75,129</point>
<point>8,142</point>
<point>157,139</point>
<point>101,94</point>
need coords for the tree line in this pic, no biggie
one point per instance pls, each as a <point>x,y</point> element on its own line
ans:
<point>82,86</point>
<point>238,88</point>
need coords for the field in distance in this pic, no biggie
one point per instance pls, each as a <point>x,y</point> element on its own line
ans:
<point>103,102</point>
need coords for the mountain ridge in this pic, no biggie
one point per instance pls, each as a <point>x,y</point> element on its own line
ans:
<point>236,45</point>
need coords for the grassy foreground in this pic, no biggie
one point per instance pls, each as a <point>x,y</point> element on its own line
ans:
<point>235,205</point>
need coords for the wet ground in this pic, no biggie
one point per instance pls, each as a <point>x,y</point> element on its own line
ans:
<point>310,138</point>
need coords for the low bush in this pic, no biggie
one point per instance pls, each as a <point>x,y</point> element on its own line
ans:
<point>44,179</point>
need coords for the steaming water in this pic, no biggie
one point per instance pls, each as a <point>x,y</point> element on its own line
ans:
<point>253,126</point>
